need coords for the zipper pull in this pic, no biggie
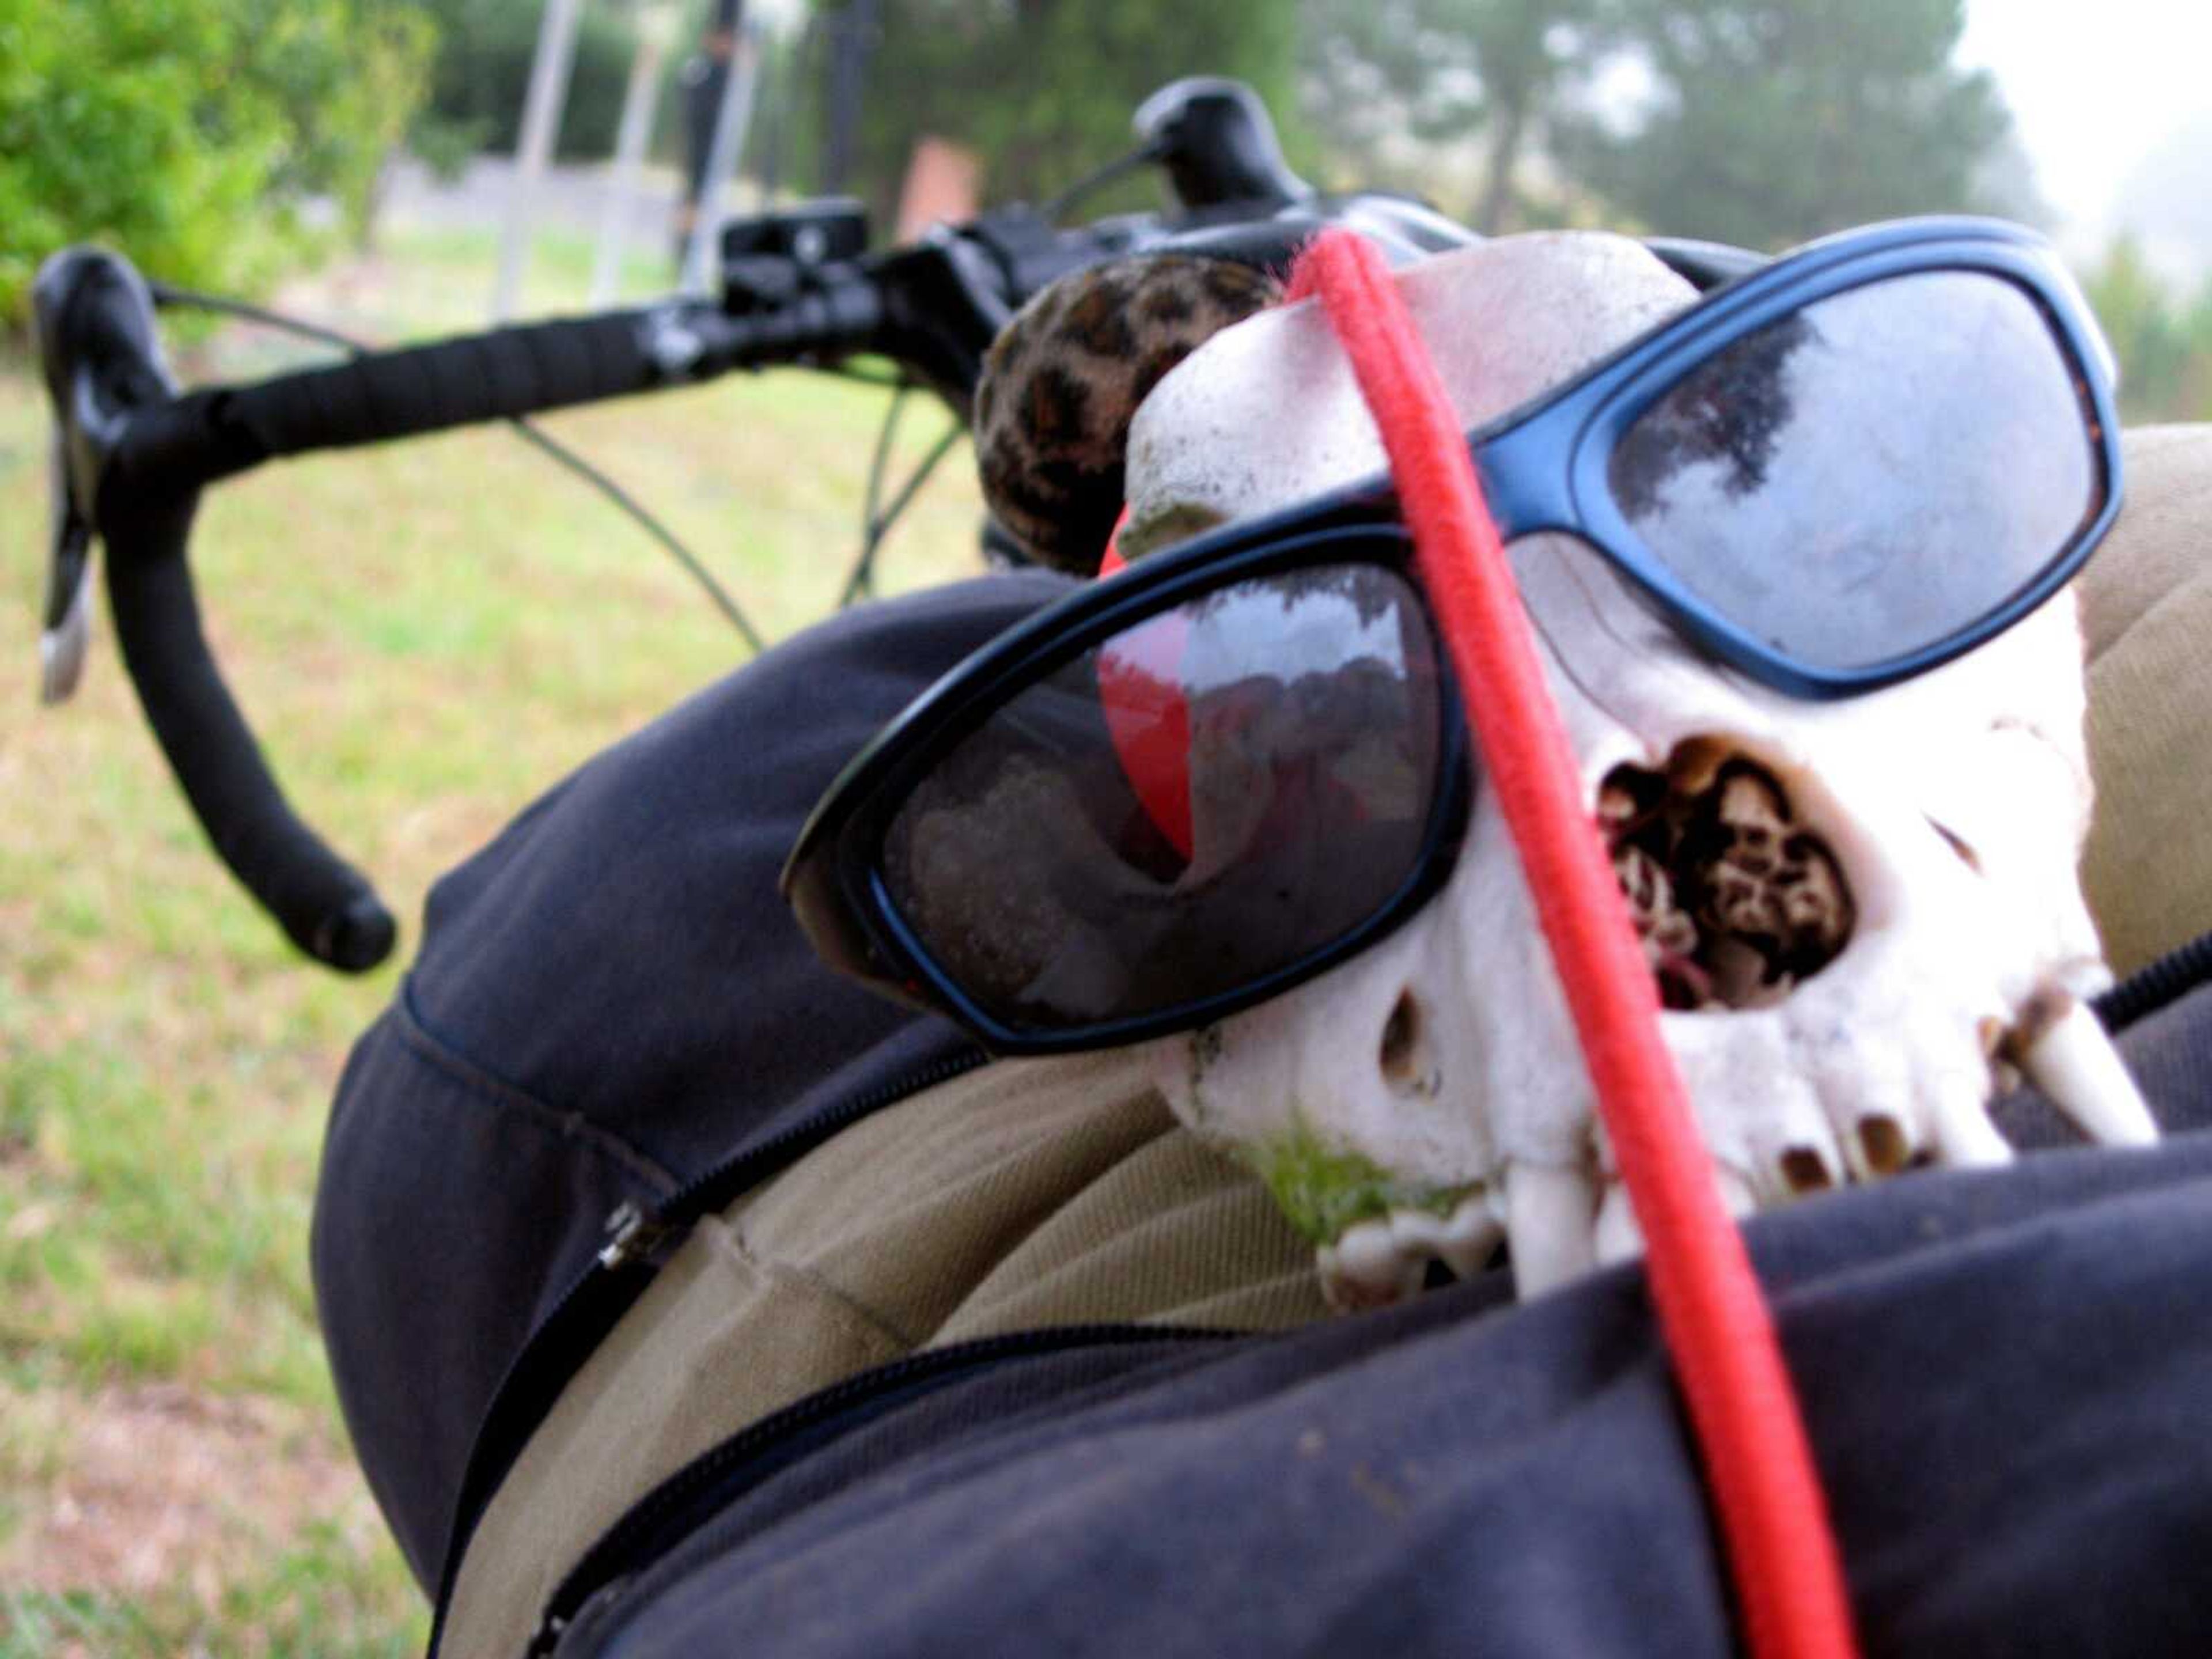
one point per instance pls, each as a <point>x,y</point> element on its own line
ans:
<point>632,1235</point>
<point>547,1636</point>
<point>554,1626</point>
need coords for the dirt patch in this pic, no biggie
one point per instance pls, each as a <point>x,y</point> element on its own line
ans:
<point>163,1486</point>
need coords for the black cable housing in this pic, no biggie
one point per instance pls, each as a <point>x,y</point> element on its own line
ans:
<point>2150,988</point>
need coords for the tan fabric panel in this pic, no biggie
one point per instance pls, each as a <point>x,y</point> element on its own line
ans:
<point>1028,1194</point>
<point>720,1339</point>
<point>1178,1236</point>
<point>2147,622</point>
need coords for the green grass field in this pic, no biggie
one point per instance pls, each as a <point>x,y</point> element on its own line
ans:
<point>426,637</point>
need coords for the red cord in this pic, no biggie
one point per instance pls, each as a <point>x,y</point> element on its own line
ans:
<point>1773,1514</point>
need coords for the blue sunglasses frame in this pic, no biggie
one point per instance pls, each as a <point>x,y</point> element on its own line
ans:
<point>1544,468</point>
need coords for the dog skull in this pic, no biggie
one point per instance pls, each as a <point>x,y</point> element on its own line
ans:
<point>1904,862</point>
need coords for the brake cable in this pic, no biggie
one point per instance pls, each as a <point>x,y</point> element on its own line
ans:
<point>876,520</point>
<point>169,295</point>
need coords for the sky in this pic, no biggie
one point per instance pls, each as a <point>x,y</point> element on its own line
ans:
<point>2097,90</point>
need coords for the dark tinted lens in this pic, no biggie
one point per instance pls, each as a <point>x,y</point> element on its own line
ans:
<point>1195,804</point>
<point>1872,474</point>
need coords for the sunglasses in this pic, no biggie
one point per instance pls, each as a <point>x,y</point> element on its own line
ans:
<point>1183,790</point>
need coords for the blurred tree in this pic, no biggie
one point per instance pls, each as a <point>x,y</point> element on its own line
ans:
<point>482,70</point>
<point>347,77</point>
<point>1043,89</point>
<point>2165,352</point>
<point>1771,121</point>
<point>2195,399</point>
<point>1385,82</point>
<point>186,132</point>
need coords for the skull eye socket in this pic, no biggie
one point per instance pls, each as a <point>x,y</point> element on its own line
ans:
<point>1204,801</point>
<point>1872,474</point>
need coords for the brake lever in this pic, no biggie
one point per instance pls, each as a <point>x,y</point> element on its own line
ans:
<point>65,630</point>
<point>100,357</point>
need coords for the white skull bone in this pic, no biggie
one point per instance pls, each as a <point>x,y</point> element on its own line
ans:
<point>1427,1098</point>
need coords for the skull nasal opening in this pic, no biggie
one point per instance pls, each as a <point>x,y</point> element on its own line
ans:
<point>1735,898</point>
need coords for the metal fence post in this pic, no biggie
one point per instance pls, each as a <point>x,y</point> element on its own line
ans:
<point>541,123</point>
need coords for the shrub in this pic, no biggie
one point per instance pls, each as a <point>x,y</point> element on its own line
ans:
<point>186,132</point>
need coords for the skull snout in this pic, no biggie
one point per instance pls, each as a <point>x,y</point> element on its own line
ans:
<point>1736,898</point>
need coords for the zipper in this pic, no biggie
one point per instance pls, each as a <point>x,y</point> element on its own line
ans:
<point>719,1476</point>
<point>633,1235</point>
<point>639,1241</point>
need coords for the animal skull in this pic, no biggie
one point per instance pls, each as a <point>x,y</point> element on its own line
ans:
<point>1902,863</point>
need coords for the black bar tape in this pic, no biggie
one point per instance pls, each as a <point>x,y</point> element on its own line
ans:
<point>507,372</point>
<point>204,436</point>
<point>174,448</point>
<point>325,906</point>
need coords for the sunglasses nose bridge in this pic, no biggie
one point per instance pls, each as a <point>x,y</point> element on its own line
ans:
<point>1526,477</point>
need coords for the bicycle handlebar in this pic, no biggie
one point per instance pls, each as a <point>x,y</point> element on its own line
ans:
<point>95,326</point>
<point>133,454</point>
<point>500,374</point>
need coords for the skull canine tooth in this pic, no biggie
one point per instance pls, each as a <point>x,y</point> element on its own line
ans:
<point>2073,1061</point>
<point>1549,1213</point>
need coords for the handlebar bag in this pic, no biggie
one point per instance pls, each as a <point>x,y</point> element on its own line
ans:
<point>1009,1363</point>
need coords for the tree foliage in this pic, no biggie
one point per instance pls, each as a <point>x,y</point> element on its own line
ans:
<point>1043,89</point>
<point>183,131</point>
<point>482,72</point>
<point>1759,121</point>
<point>1775,120</point>
<point>2164,345</point>
<point>1391,85</point>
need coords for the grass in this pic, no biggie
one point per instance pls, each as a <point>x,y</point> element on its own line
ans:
<point>426,637</point>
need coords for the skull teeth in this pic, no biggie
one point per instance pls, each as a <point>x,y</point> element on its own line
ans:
<point>1374,1263</point>
<point>2064,1052</point>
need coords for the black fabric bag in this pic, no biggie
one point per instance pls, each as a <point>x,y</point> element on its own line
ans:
<point>2008,1375</point>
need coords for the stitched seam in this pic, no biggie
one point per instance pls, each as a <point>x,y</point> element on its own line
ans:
<point>855,1314</point>
<point>2183,593</point>
<point>426,1046</point>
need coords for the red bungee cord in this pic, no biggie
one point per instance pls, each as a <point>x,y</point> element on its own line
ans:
<point>1773,1515</point>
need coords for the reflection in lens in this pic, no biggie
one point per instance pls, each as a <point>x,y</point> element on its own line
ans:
<point>1871,475</point>
<point>1198,802</point>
